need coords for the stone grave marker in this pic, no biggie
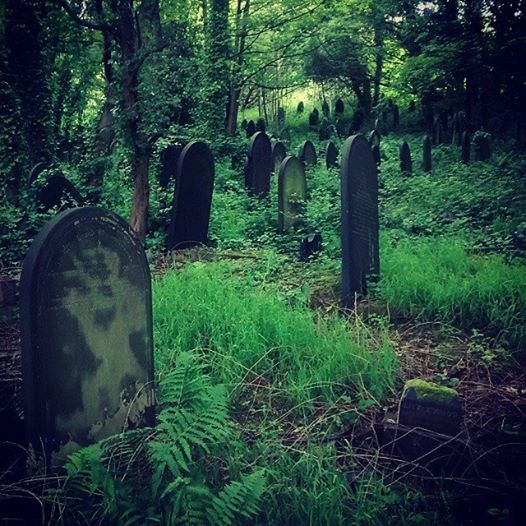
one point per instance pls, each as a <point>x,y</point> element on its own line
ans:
<point>308,154</point>
<point>36,171</point>
<point>292,192</point>
<point>437,130</point>
<point>244,123</point>
<point>251,128</point>
<point>331,155</point>
<point>359,213</point>
<point>259,165</point>
<point>279,152</point>
<point>193,197</point>
<point>396,116</point>
<point>339,106</point>
<point>325,130</point>
<point>58,191</point>
<point>427,162</point>
<point>280,117</point>
<point>325,109</point>
<point>261,125</point>
<point>169,157</point>
<point>481,146</point>
<point>284,135</point>
<point>406,164</point>
<point>341,128</point>
<point>86,320</point>
<point>376,154</point>
<point>465,148</point>
<point>313,118</point>
<point>374,138</point>
<point>301,107</point>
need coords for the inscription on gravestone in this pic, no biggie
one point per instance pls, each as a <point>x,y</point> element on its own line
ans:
<point>308,154</point>
<point>259,164</point>
<point>193,197</point>
<point>86,322</point>
<point>292,192</point>
<point>359,209</point>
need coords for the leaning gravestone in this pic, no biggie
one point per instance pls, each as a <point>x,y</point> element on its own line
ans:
<point>374,138</point>
<point>279,152</point>
<point>292,192</point>
<point>406,164</point>
<point>359,209</point>
<point>193,197</point>
<point>169,157</point>
<point>427,163</point>
<point>331,155</point>
<point>465,148</point>
<point>259,165</point>
<point>308,154</point>
<point>86,319</point>
<point>376,154</point>
<point>58,191</point>
<point>251,128</point>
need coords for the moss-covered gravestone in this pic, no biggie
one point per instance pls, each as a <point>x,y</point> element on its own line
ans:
<point>169,157</point>
<point>339,106</point>
<point>374,138</point>
<point>58,191</point>
<point>251,128</point>
<point>307,154</point>
<point>259,165</point>
<point>359,215</point>
<point>331,155</point>
<point>406,164</point>
<point>193,197</point>
<point>292,192</point>
<point>427,163</point>
<point>86,319</point>
<point>465,148</point>
<point>279,152</point>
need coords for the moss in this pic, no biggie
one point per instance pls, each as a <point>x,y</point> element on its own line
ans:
<point>430,391</point>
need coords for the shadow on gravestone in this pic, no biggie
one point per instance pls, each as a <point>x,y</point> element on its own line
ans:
<point>307,154</point>
<point>169,157</point>
<point>331,155</point>
<point>279,152</point>
<point>194,186</point>
<point>359,216</point>
<point>58,191</point>
<point>427,161</point>
<point>406,164</point>
<point>86,320</point>
<point>292,192</point>
<point>259,165</point>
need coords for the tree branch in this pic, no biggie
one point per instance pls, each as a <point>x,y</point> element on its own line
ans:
<point>78,19</point>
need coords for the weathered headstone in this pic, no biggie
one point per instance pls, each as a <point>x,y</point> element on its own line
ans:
<point>427,162</point>
<point>279,152</point>
<point>465,148</point>
<point>325,130</point>
<point>359,209</point>
<point>259,165</point>
<point>339,106</point>
<point>292,192</point>
<point>331,155</point>
<point>310,246</point>
<point>301,107</point>
<point>169,157</point>
<point>376,154</point>
<point>406,164</point>
<point>58,191</point>
<point>481,146</point>
<point>86,320</point>
<point>308,154</point>
<point>251,128</point>
<point>325,109</point>
<point>374,138</point>
<point>261,125</point>
<point>193,197</point>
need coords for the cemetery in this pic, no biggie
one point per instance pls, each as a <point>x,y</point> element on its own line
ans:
<point>262,263</point>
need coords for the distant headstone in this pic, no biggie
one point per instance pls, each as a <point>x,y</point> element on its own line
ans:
<point>36,171</point>
<point>244,123</point>
<point>325,130</point>
<point>376,154</point>
<point>279,152</point>
<point>292,192</point>
<point>412,106</point>
<point>261,125</point>
<point>481,146</point>
<point>59,192</point>
<point>284,135</point>
<point>169,158</point>
<point>359,209</point>
<point>193,197</point>
<point>437,131</point>
<point>310,246</point>
<point>313,118</point>
<point>427,163</point>
<point>406,164</point>
<point>308,154</point>
<point>281,117</point>
<point>331,155</point>
<point>342,128</point>
<point>339,106</point>
<point>251,128</point>
<point>325,109</point>
<point>374,138</point>
<point>301,107</point>
<point>465,148</point>
<point>316,112</point>
<point>259,165</point>
<point>86,319</point>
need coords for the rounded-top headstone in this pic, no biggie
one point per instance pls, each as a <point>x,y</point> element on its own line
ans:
<point>279,152</point>
<point>251,128</point>
<point>339,106</point>
<point>193,197</point>
<point>331,155</point>
<point>360,226</point>
<point>86,319</point>
<point>58,191</point>
<point>244,123</point>
<point>325,130</point>
<point>292,192</point>
<point>301,107</point>
<point>307,154</point>
<point>261,125</point>
<point>406,164</point>
<point>325,108</point>
<point>259,164</point>
<point>427,162</point>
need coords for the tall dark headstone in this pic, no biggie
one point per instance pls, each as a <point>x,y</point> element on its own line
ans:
<point>261,125</point>
<point>169,157</point>
<point>279,152</point>
<point>359,209</point>
<point>259,165</point>
<point>308,154</point>
<point>244,123</point>
<point>86,319</point>
<point>339,106</point>
<point>280,117</point>
<point>427,162</point>
<point>406,164</point>
<point>292,192</point>
<point>331,155</point>
<point>325,109</point>
<point>374,138</point>
<point>251,128</point>
<point>301,107</point>
<point>314,118</point>
<point>465,147</point>
<point>58,191</point>
<point>376,154</point>
<point>194,187</point>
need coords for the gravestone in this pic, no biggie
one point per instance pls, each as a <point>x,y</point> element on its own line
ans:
<point>292,192</point>
<point>406,164</point>
<point>437,131</point>
<point>331,155</point>
<point>339,106</point>
<point>310,246</point>
<point>280,117</point>
<point>59,192</point>
<point>86,320</point>
<point>279,152</point>
<point>169,157</point>
<point>465,148</point>
<point>284,135</point>
<point>193,197</point>
<point>251,128</point>
<point>308,154</point>
<point>342,128</point>
<point>325,109</point>
<point>36,171</point>
<point>244,123</point>
<point>313,118</point>
<point>316,112</point>
<point>376,154</point>
<point>359,217</point>
<point>325,130</point>
<point>481,146</point>
<point>374,138</point>
<point>261,125</point>
<point>427,163</point>
<point>259,165</point>
<point>301,107</point>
